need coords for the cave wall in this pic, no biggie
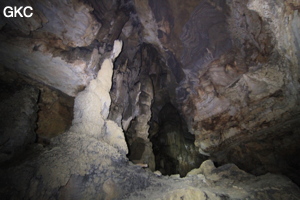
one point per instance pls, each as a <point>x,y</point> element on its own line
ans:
<point>54,108</point>
<point>237,91</point>
<point>233,88</point>
<point>55,113</point>
<point>46,48</point>
<point>134,91</point>
<point>89,162</point>
<point>235,61</point>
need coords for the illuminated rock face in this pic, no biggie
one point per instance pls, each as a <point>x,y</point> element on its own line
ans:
<point>195,79</point>
<point>88,162</point>
<point>53,29</point>
<point>229,70</point>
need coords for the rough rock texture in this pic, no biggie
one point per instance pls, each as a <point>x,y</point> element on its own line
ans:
<point>238,84</point>
<point>132,104</point>
<point>223,63</point>
<point>204,40</point>
<point>55,109</point>
<point>85,163</point>
<point>34,59</point>
<point>173,145</point>
<point>55,113</point>
<point>210,182</point>
<point>114,135</point>
<point>253,112</point>
<point>18,114</point>
<point>65,25</point>
<point>91,106</point>
<point>229,68</point>
<point>32,45</point>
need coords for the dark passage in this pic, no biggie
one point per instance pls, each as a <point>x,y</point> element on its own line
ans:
<point>173,145</point>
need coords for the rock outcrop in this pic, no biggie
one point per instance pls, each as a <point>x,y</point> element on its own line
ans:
<point>32,45</point>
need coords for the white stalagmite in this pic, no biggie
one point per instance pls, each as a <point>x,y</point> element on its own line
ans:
<point>92,105</point>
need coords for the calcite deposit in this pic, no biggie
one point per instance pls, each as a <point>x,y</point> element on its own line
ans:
<point>86,163</point>
<point>205,93</point>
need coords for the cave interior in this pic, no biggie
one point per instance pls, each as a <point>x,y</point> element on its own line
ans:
<point>165,93</point>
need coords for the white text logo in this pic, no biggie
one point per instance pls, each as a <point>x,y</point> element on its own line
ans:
<point>15,11</point>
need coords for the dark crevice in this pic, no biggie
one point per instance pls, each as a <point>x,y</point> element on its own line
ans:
<point>173,145</point>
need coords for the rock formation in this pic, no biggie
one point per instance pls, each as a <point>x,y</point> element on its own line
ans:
<point>205,91</point>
